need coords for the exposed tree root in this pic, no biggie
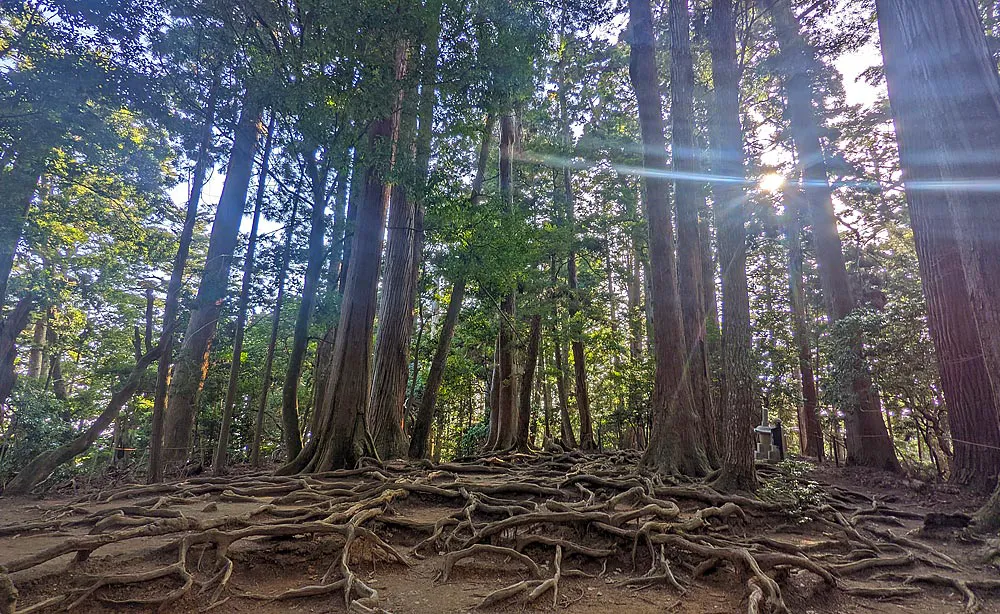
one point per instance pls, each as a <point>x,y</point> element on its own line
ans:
<point>536,512</point>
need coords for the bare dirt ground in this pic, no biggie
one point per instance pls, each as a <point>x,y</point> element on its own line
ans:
<point>562,532</point>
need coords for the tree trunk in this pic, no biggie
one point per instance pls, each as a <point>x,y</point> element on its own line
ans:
<point>868,440</point>
<point>10,328</point>
<point>972,409</point>
<point>739,384</point>
<point>576,332</point>
<point>687,193</point>
<point>524,403</point>
<point>676,442</point>
<point>341,438</point>
<point>192,360</point>
<point>37,346</point>
<point>944,88</point>
<point>286,257</point>
<point>45,463</point>
<point>19,186</point>
<point>351,220</point>
<point>222,446</point>
<point>300,337</point>
<point>172,303</point>
<point>810,430</point>
<point>507,410</point>
<point>395,318</point>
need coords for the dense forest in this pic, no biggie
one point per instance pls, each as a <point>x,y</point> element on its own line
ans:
<point>253,245</point>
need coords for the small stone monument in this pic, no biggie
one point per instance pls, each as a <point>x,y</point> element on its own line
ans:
<point>766,450</point>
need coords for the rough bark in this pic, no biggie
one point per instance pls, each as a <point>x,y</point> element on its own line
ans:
<point>300,336</point>
<point>868,441</point>
<point>395,326</point>
<point>567,436</point>
<point>221,458</point>
<point>521,442</point>
<point>810,430</point>
<point>282,273</point>
<point>676,442</point>
<point>687,194</point>
<point>45,463</point>
<point>507,406</point>
<point>738,378</point>
<point>192,360</point>
<point>944,91</point>
<point>172,303</point>
<point>341,438</point>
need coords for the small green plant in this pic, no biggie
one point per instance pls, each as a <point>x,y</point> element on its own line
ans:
<point>791,488</point>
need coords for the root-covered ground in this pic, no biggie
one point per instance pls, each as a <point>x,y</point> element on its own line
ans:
<point>574,532</point>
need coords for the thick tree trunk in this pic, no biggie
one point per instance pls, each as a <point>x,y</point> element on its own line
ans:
<point>192,360</point>
<point>341,438</point>
<point>687,194</point>
<point>221,458</point>
<point>45,463</point>
<point>868,440</point>
<point>300,336</point>
<point>739,384</point>
<point>395,318</point>
<point>527,379</point>
<point>676,442</point>
<point>944,91</point>
<point>810,430</point>
<point>172,303</point>
<point>507,409</point>
<point>286,257</point>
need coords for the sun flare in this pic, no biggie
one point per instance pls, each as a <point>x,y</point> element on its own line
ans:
<point>771,182</point>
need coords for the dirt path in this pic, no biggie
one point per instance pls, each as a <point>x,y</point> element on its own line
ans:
<point>388,532</point>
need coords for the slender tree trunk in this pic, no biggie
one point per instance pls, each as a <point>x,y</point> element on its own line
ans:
<point>351,220</point>
<point>300,337</point>
<point>868,440</point>
<point>341,438</point>
<point>676,442</point>
<point>576,332</point>
<point>192,360</point>
<point>172,303</point>
<point>567,435</point>
<point>524,403</point>
<point>738,380</point>
<point>810,430</point>
<point>543,386</point>
<point>425,413</point>
<point>282,273</point>
<point>222,446</point>
<point>944,91</point>
<point>37,346</point>
<point>687,193</point>
<point>507,411</point>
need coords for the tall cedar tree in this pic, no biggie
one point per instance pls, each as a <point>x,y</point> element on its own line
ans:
<point>192,360</point>
<point>868,441</point>
<point>687,194</point>
<point>675,445</point>
<point>810,430</point>
<point>506,425</point>
<point>738,378</point>
<point>341,436</point>
<point>221,458</point>
<point>945,97</point>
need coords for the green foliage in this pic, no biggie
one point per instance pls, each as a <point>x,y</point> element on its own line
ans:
<point>791,487</point>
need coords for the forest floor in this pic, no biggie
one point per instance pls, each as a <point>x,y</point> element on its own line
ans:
<point>553,532</point>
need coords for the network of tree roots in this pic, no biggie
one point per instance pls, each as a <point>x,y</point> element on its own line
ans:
<point>540,519</point>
